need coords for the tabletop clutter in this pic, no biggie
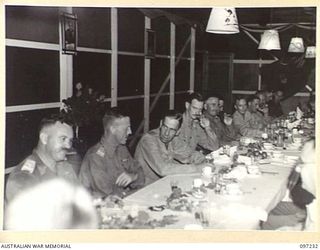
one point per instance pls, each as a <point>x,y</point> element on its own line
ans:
<point>226,168</point>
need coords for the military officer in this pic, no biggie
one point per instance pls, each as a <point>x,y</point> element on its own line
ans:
<point>47,161</point>
<point>108,168</point>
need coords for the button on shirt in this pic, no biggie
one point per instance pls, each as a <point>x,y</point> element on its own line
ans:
<point>192,134</point>
<point>157,159</point>
<point>33,170</point>
<point>103,164</point>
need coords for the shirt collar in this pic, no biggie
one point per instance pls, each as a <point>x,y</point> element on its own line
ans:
<point>188,120</point>
<point>109,145</point>
<point>42,166</point>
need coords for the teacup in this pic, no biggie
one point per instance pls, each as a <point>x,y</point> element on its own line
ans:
<point>264,136</point>
<point>311,120</point>
<point>298,140</point>
<point>207,171</point>
<point>295,131</point>
<point>197,183</point>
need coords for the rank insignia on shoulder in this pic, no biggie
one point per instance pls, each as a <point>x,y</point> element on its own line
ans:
<point>100,152</point>
<point>29,166</point>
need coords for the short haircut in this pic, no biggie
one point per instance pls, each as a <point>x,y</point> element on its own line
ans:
<point>52,120</point>
<point>240,97</point>
<point>111,115</point>
<point>252,97</point>
<point>195,95</point>
<point>173,114</point>
<point>213,96</point>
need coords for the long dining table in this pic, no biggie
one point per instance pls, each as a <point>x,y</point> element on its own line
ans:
<point>260,194</point>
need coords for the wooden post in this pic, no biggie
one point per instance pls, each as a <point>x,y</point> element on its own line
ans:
<point>66,67</point>
<point>114,56</point>
<point>172,63</point>
<point>259,76</point>
<point>147,64</point>
<point>163,86</point>
<point>192,55</point>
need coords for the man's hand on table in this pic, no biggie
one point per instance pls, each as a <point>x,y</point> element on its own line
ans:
<point>125,179</point>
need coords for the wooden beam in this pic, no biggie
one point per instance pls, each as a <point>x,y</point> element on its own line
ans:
<point>192,55</point>
<point>114,56</point>
<point>163,86</point>
<point>172,63</point>
<point>66,67</point>
<point>147,67</point>
<point>257,42</point>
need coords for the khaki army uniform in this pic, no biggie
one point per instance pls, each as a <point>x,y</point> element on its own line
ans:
<point>33,170</point>
<point>103,164</point>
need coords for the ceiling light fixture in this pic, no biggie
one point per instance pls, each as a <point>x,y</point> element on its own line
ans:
<point>270,40</point>
<point>223,21</point>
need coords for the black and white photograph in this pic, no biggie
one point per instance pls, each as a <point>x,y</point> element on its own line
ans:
<point>197,119</point>
<point>69,33</point>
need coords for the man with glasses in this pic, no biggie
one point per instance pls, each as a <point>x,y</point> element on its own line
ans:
<point>155,153</point>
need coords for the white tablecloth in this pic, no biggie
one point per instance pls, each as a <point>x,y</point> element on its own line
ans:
<point>260,195</point>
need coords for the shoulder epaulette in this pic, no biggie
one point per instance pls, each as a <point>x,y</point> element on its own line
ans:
<point>28,166</point>
<point>100,151</point>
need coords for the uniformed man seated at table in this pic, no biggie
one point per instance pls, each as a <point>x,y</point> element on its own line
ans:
<point>155,153</point>
<point>224,128</point>
<point>195,133</point>
<point>243,120</point>
<point>48,159</point>
<point>108,168</point>
<point>260,115</point>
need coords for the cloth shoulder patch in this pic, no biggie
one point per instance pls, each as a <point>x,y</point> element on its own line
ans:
<point>100,152</point>
<point>29,166</point>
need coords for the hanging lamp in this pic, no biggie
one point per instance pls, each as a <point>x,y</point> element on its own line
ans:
<point>223,21</point>
<point>270,40</point>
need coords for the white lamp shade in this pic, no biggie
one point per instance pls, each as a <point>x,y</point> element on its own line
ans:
<point>223,21</point>
<point>270,40</point>
<point>296,45</point>
<point>311,52</point>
